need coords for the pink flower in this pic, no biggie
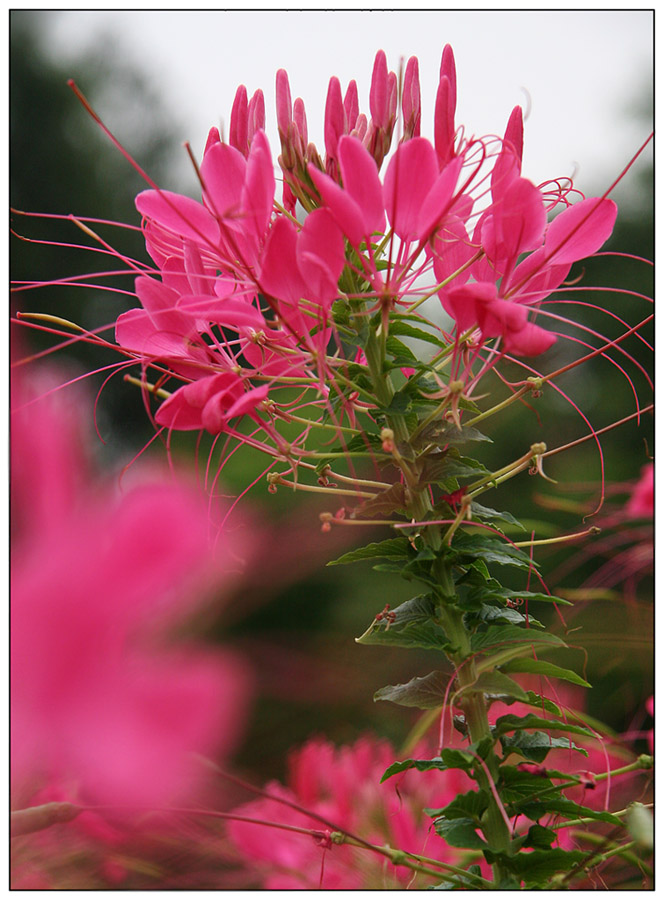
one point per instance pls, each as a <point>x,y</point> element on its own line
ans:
<point>641,504</point>
<point>99,695</point>
<point>343,785</point>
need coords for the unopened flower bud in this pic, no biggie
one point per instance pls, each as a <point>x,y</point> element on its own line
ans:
<point>387,437</point>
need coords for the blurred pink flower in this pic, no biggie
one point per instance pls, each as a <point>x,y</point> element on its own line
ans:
<point>641,505</point>
<point>98,696</point>
<point>343,785</point>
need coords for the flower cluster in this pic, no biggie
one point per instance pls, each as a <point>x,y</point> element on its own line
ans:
<point>250,296</point>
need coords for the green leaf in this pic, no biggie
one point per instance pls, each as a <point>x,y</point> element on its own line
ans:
<point>447,433</point>
<point>517,785</point>
<point>405,329</point>
<point>540,702</point>
<point>392,548</point>
<point>464,467</point>
<point>518,723</point>
<point>512,634</point>
<point>563,806</point>
<point>486,514</point>
<point>539,866</point>
<point>536,745</point>
<point>469,806</point>
<point>398,349</point>
<point>496,683</point>
<point>491,550</point>
<point>450,758</point>
<point>541,837</point>
<point>425,635</point>
<point>459,833</point>
<point>505,614</point>
<point>426,692</point>
<point>383,504</point>
<point>540,667</point>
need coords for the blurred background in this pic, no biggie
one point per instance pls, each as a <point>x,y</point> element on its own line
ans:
<point>161,78</point>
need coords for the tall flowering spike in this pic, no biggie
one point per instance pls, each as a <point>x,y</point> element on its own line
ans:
<point>351,105</point>
<point>238,133</point>
<point>410,101</point>
<point>335,125</point>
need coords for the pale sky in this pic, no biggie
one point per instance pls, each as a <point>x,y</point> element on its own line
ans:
<point>584,72</point>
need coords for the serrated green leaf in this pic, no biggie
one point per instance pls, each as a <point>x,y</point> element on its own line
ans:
<point>540,667</point>
<point>459,833</point>
<point>392,548</point>
<point>536,745</point>
<point>426,692</point>
<point>512,634</point>
<point>464,467</point>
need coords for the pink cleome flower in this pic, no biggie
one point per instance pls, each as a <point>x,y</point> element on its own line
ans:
<point>101,698</point>
<point>245,290</point>
<point>342,784</point>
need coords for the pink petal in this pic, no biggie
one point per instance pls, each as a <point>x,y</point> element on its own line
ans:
<point>280,276</point>
<point>344,208</point>
<point>223,172</point>
<point>351,105</point>
<point>179,214</point>
<point>361,181</point>
<point>580,230</point>
<point>258,188</point>
<point>531,340</point>
<point>410,176</point>
<point>535,278</point>
<point>444,122</point>
<point>284,106</point>
<point>321,256</point>
<point>463,303</point>
<point>440,199</point>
